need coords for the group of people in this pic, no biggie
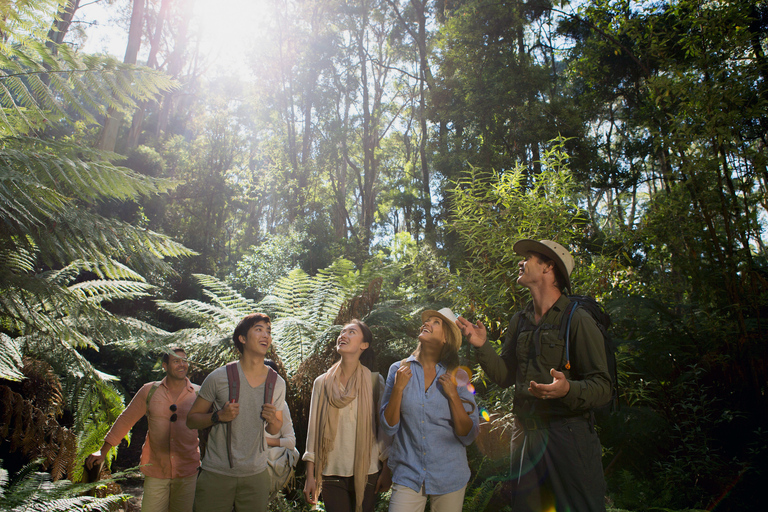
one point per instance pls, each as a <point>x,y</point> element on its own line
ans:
<point>366,434</point>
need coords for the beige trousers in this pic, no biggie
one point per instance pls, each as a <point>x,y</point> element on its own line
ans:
<point>405,499</point>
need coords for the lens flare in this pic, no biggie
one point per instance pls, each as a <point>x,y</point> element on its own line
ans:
<point>471,388</point>
<point>463,375</point>
<point>485,415</point>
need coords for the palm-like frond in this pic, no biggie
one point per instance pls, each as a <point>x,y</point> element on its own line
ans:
<point>10,359</point>
<point>39,83</point>
<point>34,491</point>
<point>23,21</point>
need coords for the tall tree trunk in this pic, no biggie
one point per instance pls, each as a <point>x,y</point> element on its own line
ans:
<point>176,65</point>
<point>60,26</point>
<point>108,139</point>
<point>154,48</point>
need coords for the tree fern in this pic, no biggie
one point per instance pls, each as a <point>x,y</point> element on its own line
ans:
<point>39,84</point>
<point>302,309</point>
<point>10,359</point>
<point>32,490</point>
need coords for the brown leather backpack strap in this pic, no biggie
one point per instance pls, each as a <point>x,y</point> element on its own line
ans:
<point>233,382</point>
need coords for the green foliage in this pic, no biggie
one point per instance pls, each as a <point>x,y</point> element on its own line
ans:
<point>30,490</point>
<point>305,307</point>
<point>10,359</point>
<point>494,210</point>
<point>258,270</point>
<point>40,85</point>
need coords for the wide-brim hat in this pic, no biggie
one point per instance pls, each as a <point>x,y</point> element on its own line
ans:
<point>449,319</point>
<point>552,250</point>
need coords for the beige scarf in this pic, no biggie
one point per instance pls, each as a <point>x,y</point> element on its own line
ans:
<point>331,400</point>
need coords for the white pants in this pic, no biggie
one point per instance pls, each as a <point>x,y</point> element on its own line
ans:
<point>168,494</point>
<point>405,499</point>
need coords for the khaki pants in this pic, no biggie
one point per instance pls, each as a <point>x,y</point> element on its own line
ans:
<point>405,499</point>
<point>168,494</point>
<point>219,493</point>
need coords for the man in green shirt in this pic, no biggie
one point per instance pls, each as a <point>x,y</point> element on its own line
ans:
<point>556,454</point>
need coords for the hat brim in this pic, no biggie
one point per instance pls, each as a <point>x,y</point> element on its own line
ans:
<point>446,321</point>
<point>527,246</point>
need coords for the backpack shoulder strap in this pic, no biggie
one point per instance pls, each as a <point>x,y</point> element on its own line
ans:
<point>269,385</point>
<point>565,330</point>
<point>233,381</point>
<point>149,395</point>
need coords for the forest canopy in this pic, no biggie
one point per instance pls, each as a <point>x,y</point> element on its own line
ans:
<point>372,159</point>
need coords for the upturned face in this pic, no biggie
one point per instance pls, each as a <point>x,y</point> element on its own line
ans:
<point>177,365</point>
<point>258,338</point>
<point>432,331</point>
<point>350,341</point>
<point>530,270</point>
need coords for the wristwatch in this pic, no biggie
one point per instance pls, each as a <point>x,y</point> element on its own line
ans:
<point>215,417</point>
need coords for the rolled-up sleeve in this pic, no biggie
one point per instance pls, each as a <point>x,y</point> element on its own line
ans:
<point>468,398</point>
<point>389,430</point>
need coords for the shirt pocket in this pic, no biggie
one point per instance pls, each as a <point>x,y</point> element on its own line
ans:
<point>552,350</point>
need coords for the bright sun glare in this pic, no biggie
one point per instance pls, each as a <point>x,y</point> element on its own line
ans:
<point>227,29</point>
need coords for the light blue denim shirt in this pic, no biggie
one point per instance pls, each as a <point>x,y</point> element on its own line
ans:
<point>425,450</point>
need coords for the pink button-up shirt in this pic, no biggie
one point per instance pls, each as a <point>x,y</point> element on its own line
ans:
<point>171,450</point>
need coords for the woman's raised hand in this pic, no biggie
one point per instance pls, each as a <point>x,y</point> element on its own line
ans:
<point>402,377</point>
<point>449,385</point>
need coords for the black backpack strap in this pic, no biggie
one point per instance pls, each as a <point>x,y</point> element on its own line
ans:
<point>233,382</point>
<point>565,330</point>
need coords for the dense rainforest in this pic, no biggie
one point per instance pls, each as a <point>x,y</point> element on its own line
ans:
<point>371,159</point>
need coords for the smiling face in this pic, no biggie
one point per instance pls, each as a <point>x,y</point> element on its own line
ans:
<point>257,339</point>
<point>350,341</point>
<point>177,366</point>
<point>432,331</point>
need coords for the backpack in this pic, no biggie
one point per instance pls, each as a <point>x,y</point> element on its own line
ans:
<point>603,321</point>
<point>233,381</point>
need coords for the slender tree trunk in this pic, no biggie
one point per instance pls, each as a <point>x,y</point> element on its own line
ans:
<point>108,139</point>
<point>154,48</point>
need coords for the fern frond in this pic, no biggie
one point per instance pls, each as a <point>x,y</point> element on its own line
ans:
<point>225,296</point>
<point>32,490</point>
<point>293,339</point>
<point>10,359</point>
<point>101,81</point>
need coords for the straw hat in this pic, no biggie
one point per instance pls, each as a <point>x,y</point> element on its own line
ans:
<point>449,319</point>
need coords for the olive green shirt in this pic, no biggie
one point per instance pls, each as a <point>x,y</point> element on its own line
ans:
<point>519,363</point>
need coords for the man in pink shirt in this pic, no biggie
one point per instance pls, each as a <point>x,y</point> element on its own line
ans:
<point>170,456</point>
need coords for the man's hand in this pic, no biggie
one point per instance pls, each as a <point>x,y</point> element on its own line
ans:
<point>558,389</point>
<point>229,412</point>
<point>476,335</point>
<point>95,459</point>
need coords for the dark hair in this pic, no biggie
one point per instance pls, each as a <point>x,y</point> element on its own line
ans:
<point>368,357</point>
<point>245,325</point>
<point>167,354</point>
<point>559,279</point>
<point>272,364</point>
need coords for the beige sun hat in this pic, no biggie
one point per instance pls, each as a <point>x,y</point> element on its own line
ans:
<point>552,250</point>
<point>449,319</point>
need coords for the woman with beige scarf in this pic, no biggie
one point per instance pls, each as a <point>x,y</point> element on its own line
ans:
<point>344,449</point>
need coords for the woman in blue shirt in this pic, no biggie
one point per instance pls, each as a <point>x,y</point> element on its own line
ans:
<point>432,420</point>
